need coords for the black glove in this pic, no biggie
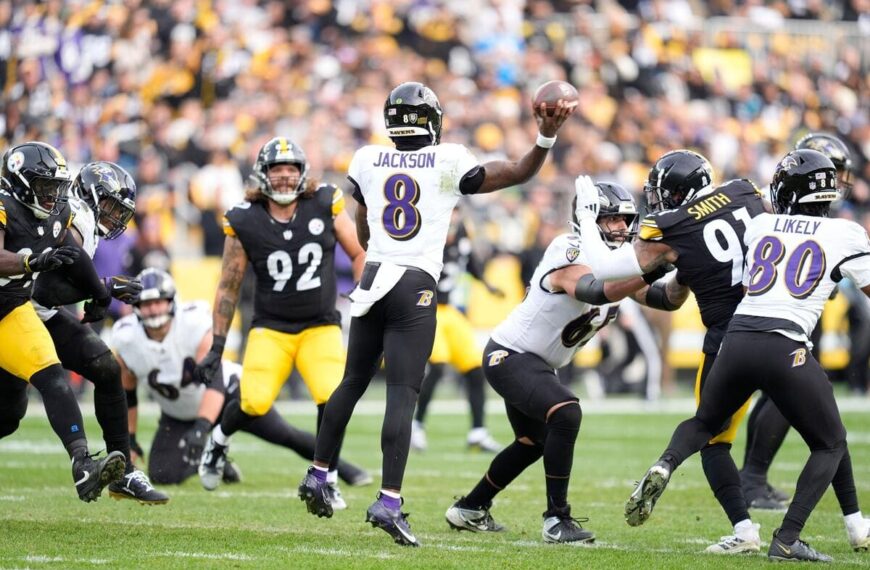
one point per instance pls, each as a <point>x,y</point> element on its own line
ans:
<point>135,447</point>
<point>96,309</point>
<point>51,259</point>
<point>123,288</point>
<point>193,441</point>
<point>657,273</point>
<point>207,370</point>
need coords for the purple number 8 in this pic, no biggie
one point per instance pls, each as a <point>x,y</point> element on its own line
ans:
<point>767,254</point>
<point>770,251</point>
<point>401,218</point>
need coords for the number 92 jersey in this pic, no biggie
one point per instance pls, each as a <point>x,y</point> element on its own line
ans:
<point>294,262</point>
<point>553,325</point>
<point>409,197</point>
<point>707,233</point>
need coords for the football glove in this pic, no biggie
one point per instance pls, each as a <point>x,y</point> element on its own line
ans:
<point>51,259</point>
<point>587,199</point>
<point>193,441</point>
<point>207,370</point>
<point>123,288</point>
<point>96,309</point>
<point>135,447</point>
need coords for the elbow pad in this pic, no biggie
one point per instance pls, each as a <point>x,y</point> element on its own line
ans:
<point>657,298</point>
<point>132,398</point>
<point>590,290</point>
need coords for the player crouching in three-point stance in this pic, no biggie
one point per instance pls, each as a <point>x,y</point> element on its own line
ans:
<point>542,334</point>
<point>406,196</point>
<point>796,257</point>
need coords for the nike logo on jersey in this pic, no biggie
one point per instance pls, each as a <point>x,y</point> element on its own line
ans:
<point>799,357</point>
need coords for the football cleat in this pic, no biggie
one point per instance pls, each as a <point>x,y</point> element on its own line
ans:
<point>335,498</point>
<point>316,495</point>
<point>764,497</point>
<point>480,440</point>
<point>212,464</point>
<point>418,437</point>
<point>859,535</point>
<point>92,475</point>
<point>461,518</point>
<point>797,551</point>
<point>355,477</point>
<point>136,486</point>
<point>393,522</point>
<point>560,527</point>
<point>232,473</point>
<point>733,544</point>
<point>640,504</point>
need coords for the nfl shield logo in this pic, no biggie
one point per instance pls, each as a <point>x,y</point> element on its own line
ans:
<point>288,235</point>
<point>572,254</point>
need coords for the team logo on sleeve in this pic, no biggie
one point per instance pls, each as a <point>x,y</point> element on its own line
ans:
<point>316,226</point>
<point>799,357</point>
<point>496,357</point>
<point>425,298</point>
<point>55,229</point>
<point>572,253</point>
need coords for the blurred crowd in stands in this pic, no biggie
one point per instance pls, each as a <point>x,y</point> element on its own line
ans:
<point>184,92</point>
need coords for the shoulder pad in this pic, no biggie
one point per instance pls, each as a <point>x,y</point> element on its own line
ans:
<point>740,185</point>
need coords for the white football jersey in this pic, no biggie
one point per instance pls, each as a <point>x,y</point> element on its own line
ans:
<point>85,222</point>
<point>553,325</point>
<point>167,366</point>
<point>409,196</point>
<point>792,266</point>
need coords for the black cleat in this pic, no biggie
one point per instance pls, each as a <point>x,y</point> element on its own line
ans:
<point>763,499</point>
<point>315,493</point>
<point>232,473</point>
<point>460,517</point>
<point>394,523</point>
<point>136,486</point>
<point>91,475</point>
<point>797,551</point>
<point>640,504</point>
<point>355,476</point>
<point>560,527</point>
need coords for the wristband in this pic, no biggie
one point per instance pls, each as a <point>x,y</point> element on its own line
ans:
<point>132,398</point>
<point>202,423</point>
<point>657,298</point>
<point>25,259</point>
<point>545,142</point>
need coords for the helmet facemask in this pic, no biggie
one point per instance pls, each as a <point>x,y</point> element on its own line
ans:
<point>280,150</point>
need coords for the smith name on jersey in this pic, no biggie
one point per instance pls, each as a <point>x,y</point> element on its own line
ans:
<point>294,261</point>
<point>553,325</point>
<point>707,233</point>
<point>793,265</point>
<point>24,234</point>
<point>409,207</point>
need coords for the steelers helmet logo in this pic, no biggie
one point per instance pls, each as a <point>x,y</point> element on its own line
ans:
<point>316,226</point>
<point>55,229</point>
<point>15,161</point>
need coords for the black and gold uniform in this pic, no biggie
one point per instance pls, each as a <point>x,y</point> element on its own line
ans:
<point>295,319</point>
<point>19,324</point>
<point>707,233</point>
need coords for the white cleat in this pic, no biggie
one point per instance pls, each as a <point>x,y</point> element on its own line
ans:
<point>737,544</point>
<point>643,499</point>
<point>859,536</point>
<point>335,499</point>
<point>418,437</point>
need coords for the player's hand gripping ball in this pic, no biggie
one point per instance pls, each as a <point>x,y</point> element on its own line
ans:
<point>550,92</point>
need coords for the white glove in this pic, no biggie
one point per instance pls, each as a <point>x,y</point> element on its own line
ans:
<point>587,199</point>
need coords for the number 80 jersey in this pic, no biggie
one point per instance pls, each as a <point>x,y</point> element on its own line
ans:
<point>409,197</point>
<point>294,262</point>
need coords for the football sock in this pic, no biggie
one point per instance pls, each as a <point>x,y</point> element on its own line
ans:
<point>563,425</point>
<point>475,384</point>
<point>391,500</point>
<point>61,407</point>
<point>320,473</point>
<point>767,429</point>
<point>332,477</point>
<point>110,404</point>
<point>333,463</point>
<point>844,486</point>
<point>219,436</point>
<point>811,485</point>
<point>724,480</point>
<point>427,390</point>
<point>505,467</point>
<point>688,439</point>
<point>396,433</point>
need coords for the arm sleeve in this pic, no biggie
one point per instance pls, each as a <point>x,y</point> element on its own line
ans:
<point>53,289</point>
<point>606,263</point>
<point>83,274</point>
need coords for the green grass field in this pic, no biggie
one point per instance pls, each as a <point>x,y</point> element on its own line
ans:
<point>261,524</point>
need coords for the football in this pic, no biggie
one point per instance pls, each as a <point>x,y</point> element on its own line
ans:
<point>550,93</point>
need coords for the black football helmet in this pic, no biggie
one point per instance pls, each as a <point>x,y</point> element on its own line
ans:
<point>676,178</point>
<point>613,200</point>
<point>156,284</point>
<point>110,192</point>
<point>805,182</point>
<point>36,174</point>
<point>412,110</point>
<point>838,152</point>
<point>280,150</point>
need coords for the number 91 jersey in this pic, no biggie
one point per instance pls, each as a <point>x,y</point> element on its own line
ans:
<point>553,325</point>
<point>409,197</point>
<point>294,262</point>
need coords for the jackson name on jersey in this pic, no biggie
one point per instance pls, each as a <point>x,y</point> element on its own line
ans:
<point>554,325</point>
<point>409,207</point>
<point>294,262</point>
<point>707,233</point>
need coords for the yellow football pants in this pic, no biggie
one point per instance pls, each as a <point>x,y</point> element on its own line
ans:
<point>270,355</point>
<point>454,341</point>
<point>25,345</point>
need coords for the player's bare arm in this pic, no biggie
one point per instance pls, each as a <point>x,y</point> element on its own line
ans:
<point>347,236</point>
<point>235,261</point>
<point>505,173</point>
<point>10,263</point>
<point>573,280</point>
<point>651,255</point>
<point>129,382</point>
<point>362,227</point>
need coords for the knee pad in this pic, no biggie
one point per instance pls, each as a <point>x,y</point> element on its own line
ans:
<point>566,418</point>
<point>104,371</point>
<point>50,380</point>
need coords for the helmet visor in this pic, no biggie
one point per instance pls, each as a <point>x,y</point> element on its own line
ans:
<point>114,216</point>
<point>49,191</point>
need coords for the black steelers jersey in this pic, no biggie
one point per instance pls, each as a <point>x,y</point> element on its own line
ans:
<point>24,233</point>
<point>458,258</point>
<point>294,262</point>
<point>707,233</point>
